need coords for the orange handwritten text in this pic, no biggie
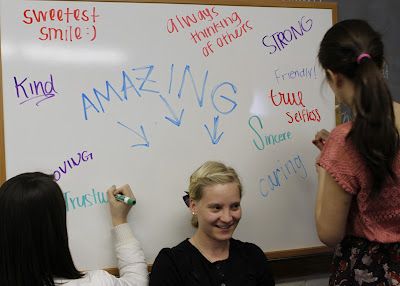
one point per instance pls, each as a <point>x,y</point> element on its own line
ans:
<point>291,98</point>
<point>63,24</point>
<point>287,98</point>
<point>209,28</point>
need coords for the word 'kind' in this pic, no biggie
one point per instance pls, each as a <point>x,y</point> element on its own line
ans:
<point>36,90</point>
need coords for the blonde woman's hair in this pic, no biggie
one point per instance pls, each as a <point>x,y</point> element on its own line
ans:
<point>208,174</point>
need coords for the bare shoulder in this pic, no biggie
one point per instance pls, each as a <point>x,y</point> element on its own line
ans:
<point>396,109</point>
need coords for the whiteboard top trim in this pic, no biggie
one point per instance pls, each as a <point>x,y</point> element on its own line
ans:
<point>266,3</point>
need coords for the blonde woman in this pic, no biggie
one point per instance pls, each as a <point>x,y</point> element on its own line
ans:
<point>211,256</point>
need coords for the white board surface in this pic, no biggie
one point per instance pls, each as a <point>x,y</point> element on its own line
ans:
<point>113,93</point>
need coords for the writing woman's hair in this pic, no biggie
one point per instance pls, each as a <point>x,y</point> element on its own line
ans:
<point>209,174</point>
<point>373,130</point>
<point>33,232</point>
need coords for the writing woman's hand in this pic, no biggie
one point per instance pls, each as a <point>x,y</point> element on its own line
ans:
<point>119,210</point>
<point>320,138</point>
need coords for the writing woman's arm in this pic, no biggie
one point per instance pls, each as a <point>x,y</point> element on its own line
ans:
<point>331,210</point>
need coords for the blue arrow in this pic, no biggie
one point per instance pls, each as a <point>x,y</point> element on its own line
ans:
<point>143,136</point>
<point>175,119</point>
<point>214,138</point>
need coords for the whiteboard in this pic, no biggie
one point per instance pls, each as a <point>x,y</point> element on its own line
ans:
<point>143,93</point>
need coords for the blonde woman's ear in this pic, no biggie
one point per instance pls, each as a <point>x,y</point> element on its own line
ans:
<point>193,206</point>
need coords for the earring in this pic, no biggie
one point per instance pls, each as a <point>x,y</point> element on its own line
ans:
<point>193,213</point>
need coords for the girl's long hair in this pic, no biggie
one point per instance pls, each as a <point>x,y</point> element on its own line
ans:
<point>373,131</point>
<point>33,233</point>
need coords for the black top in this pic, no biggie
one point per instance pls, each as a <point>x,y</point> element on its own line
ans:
<point>184,265</point>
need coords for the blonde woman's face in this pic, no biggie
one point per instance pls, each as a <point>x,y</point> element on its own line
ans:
<point>218,211</point>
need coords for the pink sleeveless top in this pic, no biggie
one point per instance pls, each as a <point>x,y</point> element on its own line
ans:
<point>375,218</point>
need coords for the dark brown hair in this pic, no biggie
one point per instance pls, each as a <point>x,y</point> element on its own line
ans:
<point>33,232</point>
<point>373,131</point>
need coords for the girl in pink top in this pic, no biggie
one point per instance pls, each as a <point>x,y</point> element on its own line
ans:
<point>358,202</point>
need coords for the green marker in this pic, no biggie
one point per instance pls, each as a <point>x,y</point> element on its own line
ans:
<point>125,199</point>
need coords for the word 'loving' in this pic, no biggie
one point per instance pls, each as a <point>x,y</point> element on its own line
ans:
<point>225,30</point>
<point>71,163</point>
<point>36,90</point>
<point>293,98</point>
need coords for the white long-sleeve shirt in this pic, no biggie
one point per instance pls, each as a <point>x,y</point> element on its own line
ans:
<point>131,264</point>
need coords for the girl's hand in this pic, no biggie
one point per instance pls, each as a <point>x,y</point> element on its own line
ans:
<point>119,210</point>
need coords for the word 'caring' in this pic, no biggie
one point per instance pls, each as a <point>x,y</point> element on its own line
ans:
<point>292,169</point>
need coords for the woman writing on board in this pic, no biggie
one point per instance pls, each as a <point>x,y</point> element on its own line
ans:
<point>358,202</point>
<point>211,256</point>
<point>34,242</point>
